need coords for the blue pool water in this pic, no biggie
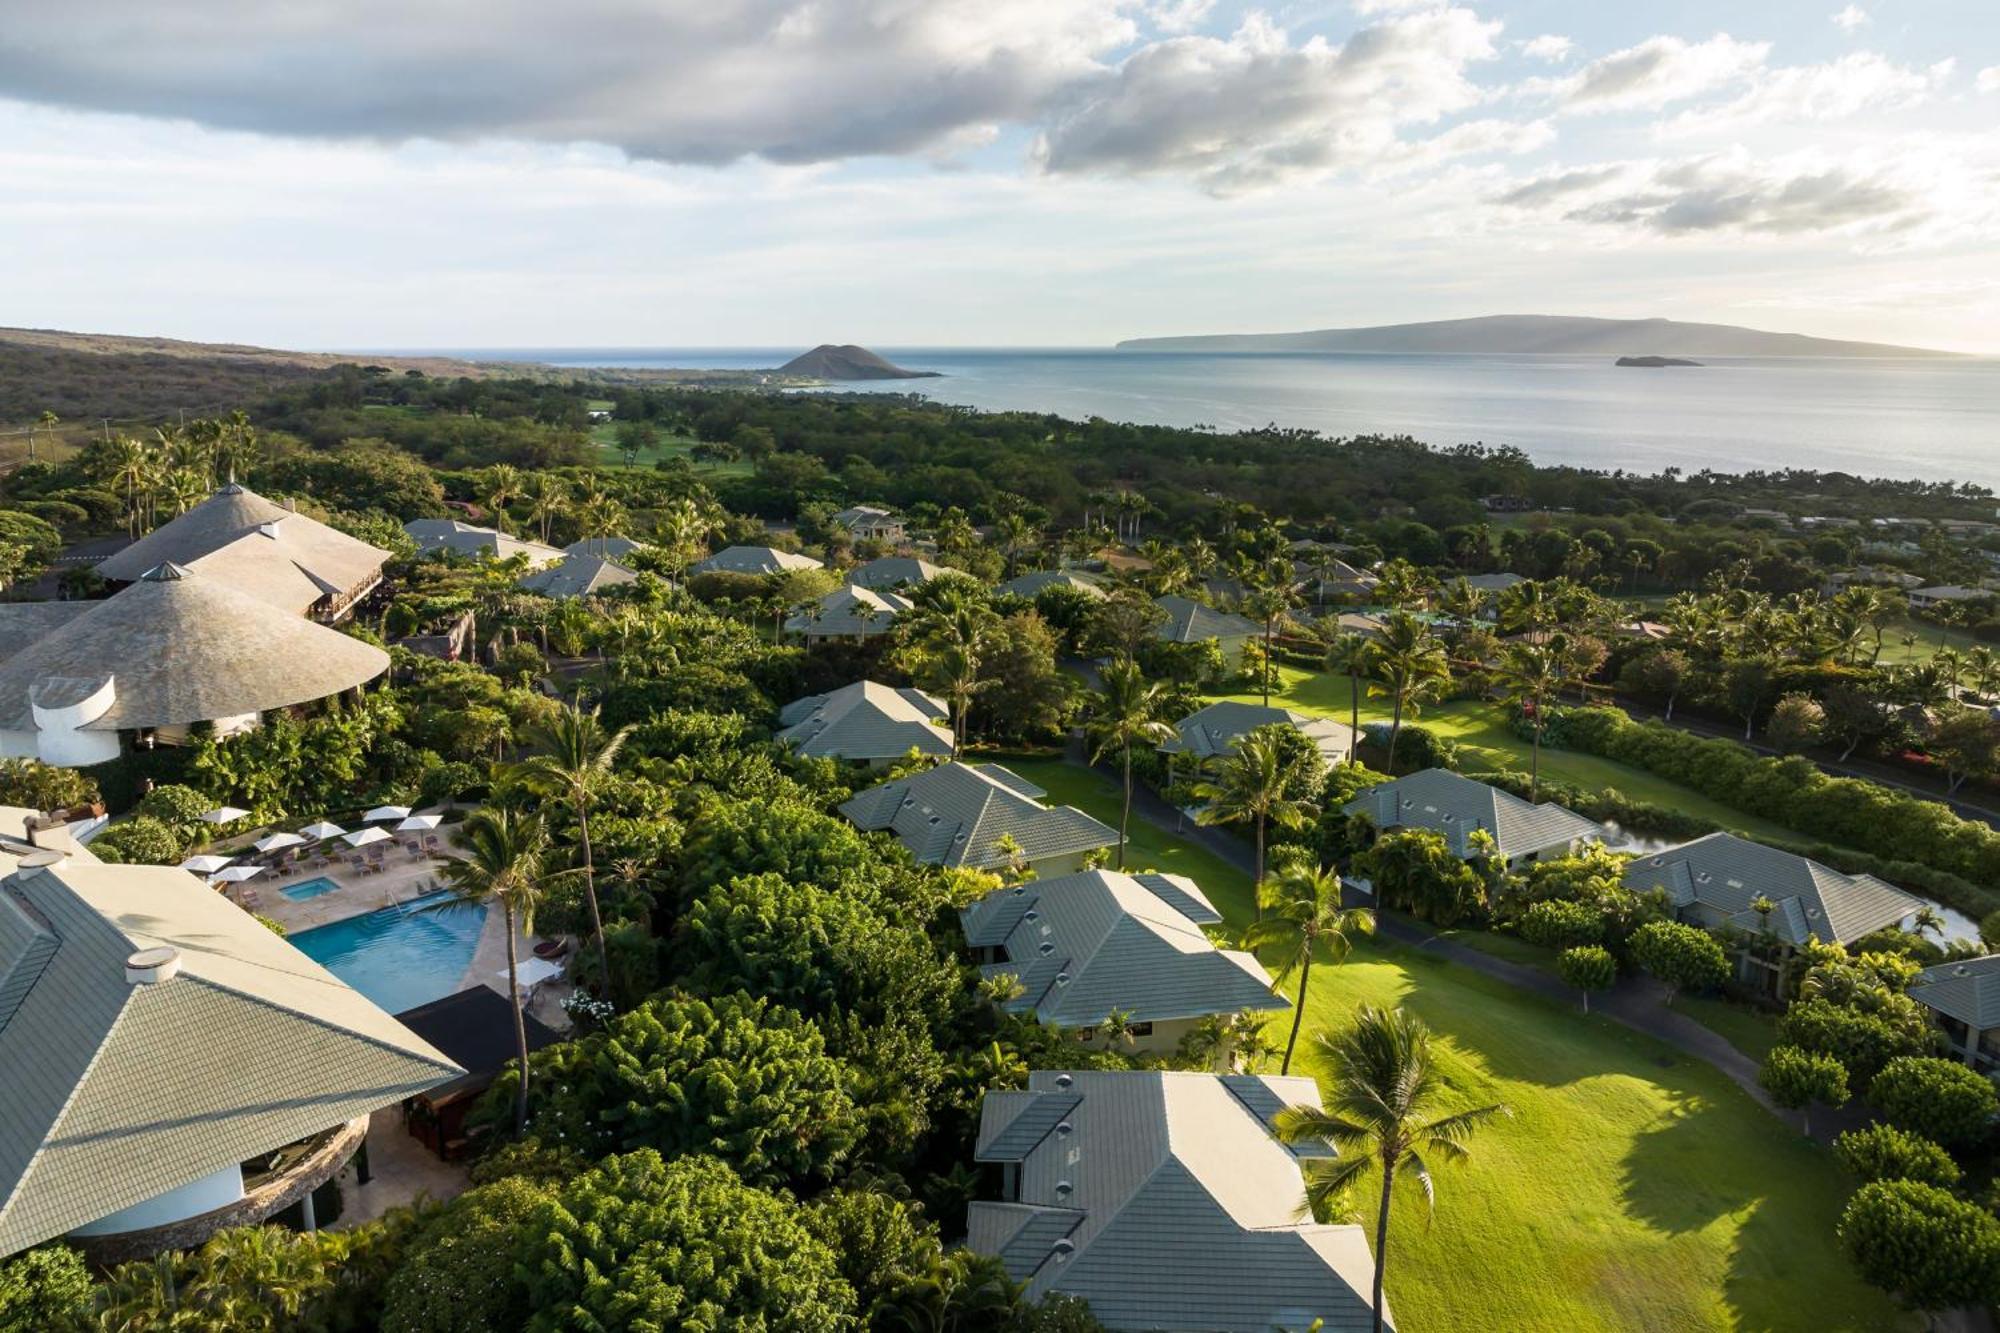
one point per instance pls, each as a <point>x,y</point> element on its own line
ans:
<point>308,888</point>
<point>402,956</point>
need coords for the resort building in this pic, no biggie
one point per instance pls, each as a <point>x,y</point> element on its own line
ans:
<point>848,613</point>
<point>1165,1200</point>
<point>753,560</point>
<point>607,548</point>
<point>867,722</point>
<point>175,651</point>
<point>267,550</point>
<point>1944,594</point>
<point>1189,621</point>
<point>1717,880</point>
<point>1337,578</point>
<point>171,1066</point>
<point>867,523</point>
<point>1034,585</point>
<point>576,576</point>
<point>1965,997</point>
<point>1087,945</point>
<point>449,536</point>
<point>980,817</point>
<point>1213,732</point>
<point>893,571</point>
<point>1456,807</point>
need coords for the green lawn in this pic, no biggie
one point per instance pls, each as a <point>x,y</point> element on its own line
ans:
<point>1750,1030</point>
<point>1632,1189</point>
<point>605,436</point>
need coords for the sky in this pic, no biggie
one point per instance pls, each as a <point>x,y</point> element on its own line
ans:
<point>771,173</point>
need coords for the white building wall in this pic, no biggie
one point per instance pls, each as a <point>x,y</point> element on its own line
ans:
<point>216,1190</point>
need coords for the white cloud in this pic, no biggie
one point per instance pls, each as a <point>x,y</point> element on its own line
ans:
<point>1851,18</point>
<point>1862,81</point>
<point>1989,79</point>
<point>1179,15</point>
<point>1655,73</point>
<point>1550,46</point>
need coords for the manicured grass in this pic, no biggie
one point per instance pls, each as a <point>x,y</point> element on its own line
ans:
<point>605,436</point>
<point>1750,1030</point>
<point>1632,1188</point>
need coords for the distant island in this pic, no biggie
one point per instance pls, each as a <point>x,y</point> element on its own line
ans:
<point>1572,334</point>
<point>1654,362</point>
<point>845,361</point>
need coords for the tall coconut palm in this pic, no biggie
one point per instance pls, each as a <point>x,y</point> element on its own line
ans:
<point>506,861</point>
<point>502,486</point>
<point>1409,666</point>
<point>1273,592</point>
<point>1126,713</point>
<point>1531,675</point>
<point>1348,654</point>
<point>1303,914</point>
<point>951,632</point>
<point>573,757</point>
<point>128,463</point>
<point>548,500</point>
<point>1380,1109</point>
<point>1250,787</point>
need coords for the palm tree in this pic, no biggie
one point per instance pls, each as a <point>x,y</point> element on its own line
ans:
<point>1250,787</point>
<point>1409,666</point>
<point>128,463</point>
<point>575,757</point>
<point>1379,1109</point>
<point>548,498</point>
<point>1272,593</point>
<point>1127,713</point>
<point>1348,654</point>
<point>1303,908</point>
<point>1532,675</point>
<point>953,632</point>
<point>502,485</point>
<point>505,861</point>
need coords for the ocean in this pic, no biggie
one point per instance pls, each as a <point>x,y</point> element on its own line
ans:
<point>1937,420</point>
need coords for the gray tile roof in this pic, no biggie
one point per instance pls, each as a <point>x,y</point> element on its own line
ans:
<point>848,612</point>
<point>1492,582</point>
<point>1721,875</point>
<point>893,571</point>
<point>753,560</point>
<point>1163,1200</point>
<point>956,814</point>
<point>866,721</point>
<point>576,576</point>
<point>1189,621</point>
<point>23,623</point>
<point>1034,585</point>
<point>611,548</point>
<point>117,1092</point>
<point>1084,945</point>
<point>1444,802</point>
<point>864,519</point>
<point>1215,730</point>
<point>1968,990</point>
<point>434,536</point>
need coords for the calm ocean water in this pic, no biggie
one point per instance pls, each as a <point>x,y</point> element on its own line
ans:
<point>1937,420</point>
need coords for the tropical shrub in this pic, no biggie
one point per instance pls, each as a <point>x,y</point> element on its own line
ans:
<point>1922,1244</point>
<point>1414,869</point>
<point>140,840</point>
<point>1558,923</point>
<point>46,1288</point>
<point>1942,1100</point>
<point>1682,956</point>
<point>1588,967</point>
<point>1862,1040</point>
<point>458,1274</point>
<point>1884,1152</point>
<point>1797,1078</point>
<point>34,785</point>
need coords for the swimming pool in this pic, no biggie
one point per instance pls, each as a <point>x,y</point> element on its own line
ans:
<point>308,888</point>
<point>402,956</point>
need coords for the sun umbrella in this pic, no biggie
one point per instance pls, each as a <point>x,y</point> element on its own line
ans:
<point>277,840</point>
<point>321,831</point>
<point>224,814</point>
<point>362,837</point>
<point>419,823</point>
<point>205,864</point>
<point>530,971</point>
<point>381,812</point>
<point>237,874</point>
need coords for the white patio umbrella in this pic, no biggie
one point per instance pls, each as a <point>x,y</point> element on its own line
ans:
<point>275,841</point>
<point>224,814</point>
<point>321,831</point>
<point>362,837</point>
<point>382,812</point>
<point>532,971</point>
<point>237,874</point>
<point>419,823</point>
<point>205,864</point>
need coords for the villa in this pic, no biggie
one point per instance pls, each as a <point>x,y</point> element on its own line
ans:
<point>608,548</point>
<point>1088,944</point>
<point>848,613</point>
<point>1034,585</point>
<point>866,722</point>
<point>893,571</point>
<point>1337,578</point>
<point>963,816</point>
<point>1714,881</point>
<point>753,560</point>
<point>173,1067</point>
<point>1189,621</point>
<point>576,576</point>
<point>1445,803</point>
<point>267,550</point>
<point>870,523</point>
<point>1965,997</point>
<point>175,651</point>
<point>449,536</point>
<point>1213,732</point>
<point>1165,1200</point>
<point>1943,594</point>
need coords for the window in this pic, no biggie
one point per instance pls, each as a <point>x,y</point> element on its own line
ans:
<point>1141,1029</point>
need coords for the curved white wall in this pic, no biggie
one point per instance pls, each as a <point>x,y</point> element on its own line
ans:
<point>60,735</point>
<point>196,1197</point>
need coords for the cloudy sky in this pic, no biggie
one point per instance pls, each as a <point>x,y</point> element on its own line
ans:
<point>515,173</point>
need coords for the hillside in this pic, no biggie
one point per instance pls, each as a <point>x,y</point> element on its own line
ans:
<point>845,361</point>
<point>1572,334</point>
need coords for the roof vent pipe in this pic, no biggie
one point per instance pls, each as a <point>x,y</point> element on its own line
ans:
<point>150,967</point>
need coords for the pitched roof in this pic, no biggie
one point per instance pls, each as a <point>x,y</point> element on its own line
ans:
<point>892,571</point>
<point>259,547</point>
<point>989,921</point>
<point>1492,582</point>
<point>1034,585</point>
<point>865,721</point>
<point>956,814</point>
<point>1189,621</point>
<point>865,516</point>
<point>1163,1199</point>
<point>1723,874</point>
<point>1084,945</point>
<point>753,560</point>
<point>576,576</point>
<point>178,648</point>
<point>22,623</point>
<point>1968,990</point>
<point>614,548</point>
<point>1444,802</point>
<point>434,536</point>
<point>119,1091</point>
<point>848,611</point>
<point>1216,729</point>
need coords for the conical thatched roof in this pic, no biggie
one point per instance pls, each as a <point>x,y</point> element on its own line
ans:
<point>259,547</point>
<point>181,647</point>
